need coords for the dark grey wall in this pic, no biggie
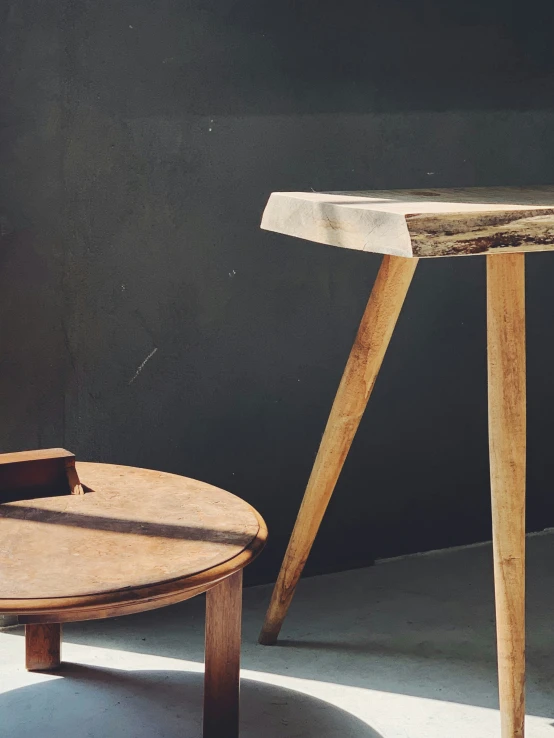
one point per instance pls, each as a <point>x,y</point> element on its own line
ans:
<point>139,143</point>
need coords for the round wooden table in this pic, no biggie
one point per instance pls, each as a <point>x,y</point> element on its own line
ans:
<point>136,540</point>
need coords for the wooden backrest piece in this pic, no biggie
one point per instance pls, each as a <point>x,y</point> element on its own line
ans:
<point>44,473</point>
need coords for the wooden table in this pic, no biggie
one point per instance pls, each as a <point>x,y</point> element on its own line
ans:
<point>135,540</point>
<point>405,225</point>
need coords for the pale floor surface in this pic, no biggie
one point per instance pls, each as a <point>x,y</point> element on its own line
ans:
<point>404,649</point>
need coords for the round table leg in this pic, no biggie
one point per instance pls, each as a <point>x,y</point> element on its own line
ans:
<point>362,368</point>
<point>222,658</point>
<point>43,646</point>
<point>507,442</point>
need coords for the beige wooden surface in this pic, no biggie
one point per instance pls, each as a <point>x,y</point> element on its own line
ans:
<point>419,223</point>
<point>507,441</point>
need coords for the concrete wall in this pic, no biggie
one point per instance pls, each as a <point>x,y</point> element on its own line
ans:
<point>139,143</point>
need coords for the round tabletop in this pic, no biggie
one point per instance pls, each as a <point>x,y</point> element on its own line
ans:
<point>136,539</point>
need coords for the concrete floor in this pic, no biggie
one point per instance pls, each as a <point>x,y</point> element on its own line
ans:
<point>404,649</point>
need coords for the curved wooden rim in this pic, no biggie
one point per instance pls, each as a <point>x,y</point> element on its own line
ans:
<point>138,598</point>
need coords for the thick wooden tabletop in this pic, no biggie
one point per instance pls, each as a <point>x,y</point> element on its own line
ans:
<point>419,223</point>
<point>135,533</point>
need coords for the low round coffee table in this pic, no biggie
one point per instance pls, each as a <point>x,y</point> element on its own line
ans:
<point>136,540</point>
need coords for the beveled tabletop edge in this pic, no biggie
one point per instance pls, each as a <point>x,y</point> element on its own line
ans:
<point>419,223</point>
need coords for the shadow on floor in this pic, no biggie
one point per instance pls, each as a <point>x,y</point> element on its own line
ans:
<point>421,627</point>
<point>91,702</point>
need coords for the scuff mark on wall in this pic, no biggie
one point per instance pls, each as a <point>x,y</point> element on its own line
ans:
<point>141,367</point>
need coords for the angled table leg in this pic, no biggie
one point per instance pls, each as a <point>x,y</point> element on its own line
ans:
<point>364,362</point>
<point>507,443</point>
<point>222,659</point>
<point>43,646</point>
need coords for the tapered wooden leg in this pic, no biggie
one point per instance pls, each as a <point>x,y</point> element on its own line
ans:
<point>43,646</point>
<point>222,660</point>
<point>507,443</point>
<point>362,368</point>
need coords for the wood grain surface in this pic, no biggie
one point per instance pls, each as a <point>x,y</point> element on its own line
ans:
<point>222,670</point>
<point>41,473</point>
<point>18,457</point>
<point>134,535</point>
<point>419,223</point>
<point>43,647</point>
<point>507,442</point>
<point>358,380</point>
